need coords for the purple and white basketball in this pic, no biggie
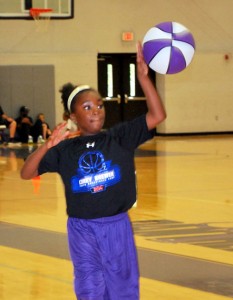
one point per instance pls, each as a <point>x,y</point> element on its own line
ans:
<point>168,47</point>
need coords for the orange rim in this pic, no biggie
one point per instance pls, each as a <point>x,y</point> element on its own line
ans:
<point>35,12</point>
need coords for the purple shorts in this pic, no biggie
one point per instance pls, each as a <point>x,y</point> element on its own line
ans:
<point>104,256</point>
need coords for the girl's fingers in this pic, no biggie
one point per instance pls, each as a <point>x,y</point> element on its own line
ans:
<point>58,135</point>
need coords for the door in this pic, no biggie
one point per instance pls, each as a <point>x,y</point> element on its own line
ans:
<point>119,87</point>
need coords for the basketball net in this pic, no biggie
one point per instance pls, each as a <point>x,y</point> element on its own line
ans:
<point>41,17</point>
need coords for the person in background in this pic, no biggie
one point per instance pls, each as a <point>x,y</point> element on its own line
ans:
<point>24,124</point>
<point>11,124</point>
<point>98,171</point>
<point>40,130</point>
<point>71,126</point>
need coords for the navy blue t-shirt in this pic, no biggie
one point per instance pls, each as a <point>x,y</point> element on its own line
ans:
<point>98,171</point>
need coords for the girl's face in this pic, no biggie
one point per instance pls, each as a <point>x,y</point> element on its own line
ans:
<point>88,113</point>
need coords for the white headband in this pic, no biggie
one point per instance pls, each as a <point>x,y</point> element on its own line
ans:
<point>75,92</point>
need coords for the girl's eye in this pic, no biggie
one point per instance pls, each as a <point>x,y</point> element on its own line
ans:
<point>87,107</point>
<point>100,106</point>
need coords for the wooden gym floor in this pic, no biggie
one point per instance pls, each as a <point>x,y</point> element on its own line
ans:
<point>183,223</point>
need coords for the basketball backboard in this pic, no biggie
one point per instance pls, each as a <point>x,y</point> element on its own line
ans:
<point>20,9</point>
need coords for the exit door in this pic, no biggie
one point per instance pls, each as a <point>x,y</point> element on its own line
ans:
<point>119,87</point>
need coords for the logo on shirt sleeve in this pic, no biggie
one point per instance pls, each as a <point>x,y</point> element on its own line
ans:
<point>94,174</point>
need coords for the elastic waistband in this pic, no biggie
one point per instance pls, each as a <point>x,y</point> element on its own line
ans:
<point>105,220</point>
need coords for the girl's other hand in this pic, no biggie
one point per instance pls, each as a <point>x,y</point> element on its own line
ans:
<point>59,134</point>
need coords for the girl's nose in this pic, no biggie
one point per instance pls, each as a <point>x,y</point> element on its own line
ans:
<point>95,111</point>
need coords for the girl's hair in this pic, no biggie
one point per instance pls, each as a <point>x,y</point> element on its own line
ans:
<point>75,94</point>
<point>65,91</point>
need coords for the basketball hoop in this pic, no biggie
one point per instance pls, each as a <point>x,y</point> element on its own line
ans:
<point>41,17</point>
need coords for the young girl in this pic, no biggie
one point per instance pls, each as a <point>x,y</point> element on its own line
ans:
<point>97,169</point>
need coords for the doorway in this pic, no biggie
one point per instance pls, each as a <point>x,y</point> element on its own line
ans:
<point>119,87</point>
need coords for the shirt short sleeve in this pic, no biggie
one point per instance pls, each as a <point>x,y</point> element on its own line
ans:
<point>50,162</point>
<point>133,133</point>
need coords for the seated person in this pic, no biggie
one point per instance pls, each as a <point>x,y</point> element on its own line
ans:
<point>40,129</point>
<point>24,124</point>
<point>70,126</point>
<point>10,123</point>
